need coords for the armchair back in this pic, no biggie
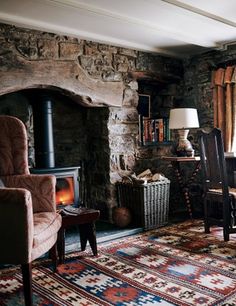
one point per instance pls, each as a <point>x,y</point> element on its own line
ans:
<point>13,147</point>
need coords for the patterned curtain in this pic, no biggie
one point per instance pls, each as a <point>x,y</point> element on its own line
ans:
<point>224,99</point>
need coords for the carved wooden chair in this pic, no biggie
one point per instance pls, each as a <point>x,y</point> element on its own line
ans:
<point>29,222</point>
<point>219,199</point>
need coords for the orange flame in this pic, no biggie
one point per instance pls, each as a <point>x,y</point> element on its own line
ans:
<point>65,196</point>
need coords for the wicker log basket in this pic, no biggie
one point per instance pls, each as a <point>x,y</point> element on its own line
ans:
<point>146,201</point>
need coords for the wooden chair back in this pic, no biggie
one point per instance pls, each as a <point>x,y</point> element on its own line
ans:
<point>213,160</point>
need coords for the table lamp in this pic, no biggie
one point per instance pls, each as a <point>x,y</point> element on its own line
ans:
<point>183,119</point>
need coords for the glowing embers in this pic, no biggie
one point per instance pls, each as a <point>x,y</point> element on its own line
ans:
<point>65,191</point>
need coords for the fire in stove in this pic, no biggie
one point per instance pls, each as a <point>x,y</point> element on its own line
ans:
<point>65,191</point>
<point>67,184</point>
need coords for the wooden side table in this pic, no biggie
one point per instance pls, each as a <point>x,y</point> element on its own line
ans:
<point>86,222</point>
<point>184,186</point>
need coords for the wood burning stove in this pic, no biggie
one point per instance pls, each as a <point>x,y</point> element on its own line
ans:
<point>67,184</point>
<point>67,178</point>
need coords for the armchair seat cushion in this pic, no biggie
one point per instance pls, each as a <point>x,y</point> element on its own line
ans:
<point>46,224</point>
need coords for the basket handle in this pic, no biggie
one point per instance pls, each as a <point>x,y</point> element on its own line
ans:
<point>129,179</point>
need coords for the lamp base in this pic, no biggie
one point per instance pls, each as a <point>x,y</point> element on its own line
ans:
<point>184,147</point>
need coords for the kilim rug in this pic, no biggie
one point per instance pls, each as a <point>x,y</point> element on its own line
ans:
<point>175,265</point>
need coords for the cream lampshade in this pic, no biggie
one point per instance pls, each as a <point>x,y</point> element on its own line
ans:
<point>183,119</point>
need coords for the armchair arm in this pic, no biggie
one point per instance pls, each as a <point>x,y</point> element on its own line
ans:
<point>16,225</point>
<point>42,188</point>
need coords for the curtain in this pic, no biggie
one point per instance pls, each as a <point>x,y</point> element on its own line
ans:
<point>224,104</point>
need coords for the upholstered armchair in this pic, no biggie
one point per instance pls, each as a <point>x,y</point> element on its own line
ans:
<point>29,222</point>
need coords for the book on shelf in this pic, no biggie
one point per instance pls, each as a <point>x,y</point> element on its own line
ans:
<point>140,132</point>
<point>166,129</point>
<point>153,130</point>
<point>160,128</point>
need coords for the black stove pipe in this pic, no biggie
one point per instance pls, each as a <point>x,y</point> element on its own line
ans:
<point>43,130</point>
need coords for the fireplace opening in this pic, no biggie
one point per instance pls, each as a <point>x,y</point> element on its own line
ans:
<point>81,138</point>
<point>67,184</point>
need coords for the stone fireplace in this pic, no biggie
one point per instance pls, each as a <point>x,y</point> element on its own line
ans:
<point>94,89</point>
<point>81,141</point>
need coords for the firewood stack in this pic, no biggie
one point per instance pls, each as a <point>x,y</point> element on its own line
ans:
<point>143,178</point>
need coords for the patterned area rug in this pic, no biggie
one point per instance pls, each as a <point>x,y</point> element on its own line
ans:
<point>175,265</point>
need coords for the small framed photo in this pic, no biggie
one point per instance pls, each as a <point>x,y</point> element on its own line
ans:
<point>144,105</point>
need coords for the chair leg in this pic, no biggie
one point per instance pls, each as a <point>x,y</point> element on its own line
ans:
<point>27,283</point>
<point>226,219</point>
<point>54,256</point>
<point>83,236</point>
<point>206,221</point>
<point>88,233</point>
<point>226,234</point>
<point>92,238</point>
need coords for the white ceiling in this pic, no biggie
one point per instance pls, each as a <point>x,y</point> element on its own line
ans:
<point>174,27</point>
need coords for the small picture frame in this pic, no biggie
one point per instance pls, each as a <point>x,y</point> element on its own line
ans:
<point>144,105</point>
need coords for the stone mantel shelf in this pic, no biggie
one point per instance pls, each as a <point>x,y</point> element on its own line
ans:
<point>65,75</point>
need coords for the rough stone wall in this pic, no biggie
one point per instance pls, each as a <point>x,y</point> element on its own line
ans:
<point>91,75</point>
<point>197,80</point>
<point>198,93</point>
